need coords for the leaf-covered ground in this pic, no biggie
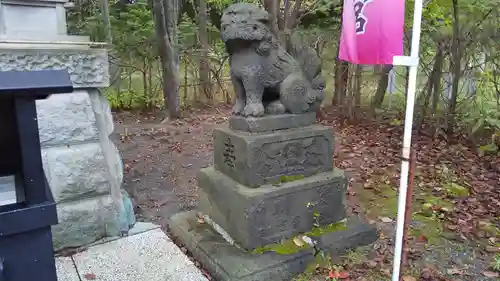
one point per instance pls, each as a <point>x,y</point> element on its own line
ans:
<point>455,231</point>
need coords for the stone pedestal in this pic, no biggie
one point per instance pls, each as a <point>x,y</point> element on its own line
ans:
<point>80,161</point>
<point>270,213</point>
<point>272,180</point>
<point>254,159</point>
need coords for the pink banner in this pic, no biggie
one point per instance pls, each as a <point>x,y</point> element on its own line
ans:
<point>372,31</point>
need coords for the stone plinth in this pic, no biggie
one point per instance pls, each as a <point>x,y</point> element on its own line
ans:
<point>271,122</point>
<point>255,217</point>
<point>270,182</point>
<point>256,159</point>
<point>226,262</point>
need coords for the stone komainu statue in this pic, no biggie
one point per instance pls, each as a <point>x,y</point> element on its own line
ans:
<point>266,78</point>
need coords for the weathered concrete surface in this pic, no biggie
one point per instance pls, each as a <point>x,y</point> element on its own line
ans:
<point>226,262</point>
<point>271,122</point>
<point>147,254</point>
<point>256,159</point>
<point>66,270</point>
<point>254,217</point>
<point>150,256</point>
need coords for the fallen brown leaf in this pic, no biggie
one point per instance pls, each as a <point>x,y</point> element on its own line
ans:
<point>297,241</point>
<point>90,276</point>
<point>421,238</point>
<point>491,274</point>
<point>370,264</point>
<point>408,278</point>
<point>386,219</point>
<point>454,271</point>
<point>492,249</point>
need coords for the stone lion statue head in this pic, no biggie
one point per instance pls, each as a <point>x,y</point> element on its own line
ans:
<point>244,22</point>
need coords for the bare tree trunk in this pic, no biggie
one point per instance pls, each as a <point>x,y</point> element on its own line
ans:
<point>171,14</point>
<point>379,96</point>
<point>204,67</point>
<point>358,76</point>
<point>114,69</point>
<point>186,80</point>
<point>273,8</point>
<point>170,75</point>
<point>455,69</point>
<point>431,85</point>
<point>144,77</point>
<point>348,108</point>
<point>341,77</point>
<point>150,82</point>
<point>436,89</point>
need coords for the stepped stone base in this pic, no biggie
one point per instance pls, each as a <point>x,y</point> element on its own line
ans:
<point>272,179</point>
<point>226,262</point>
<point>255,217</point>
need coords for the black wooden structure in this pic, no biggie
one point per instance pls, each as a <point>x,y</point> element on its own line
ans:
<point>26,252</point>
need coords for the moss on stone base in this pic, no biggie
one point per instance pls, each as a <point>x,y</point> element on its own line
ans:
<point>333,227</point>
<point>285,179</point>
<point>289,246</point>
<point>285,247</point>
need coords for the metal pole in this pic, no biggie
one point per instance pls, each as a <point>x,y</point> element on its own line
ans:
<point>408,213</point>
<point>412,61</point>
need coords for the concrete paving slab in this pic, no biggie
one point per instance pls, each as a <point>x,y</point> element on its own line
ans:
<point>139,227</point>
<point>66,270</point>
<point>150,256</point>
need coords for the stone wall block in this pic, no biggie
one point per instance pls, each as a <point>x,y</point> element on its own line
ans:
<point>83,222</point>
<point>75,171</point>
<point>66,119</point>
<point>103,109</point>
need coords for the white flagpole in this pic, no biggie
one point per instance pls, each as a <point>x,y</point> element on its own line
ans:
<point>412,62</point>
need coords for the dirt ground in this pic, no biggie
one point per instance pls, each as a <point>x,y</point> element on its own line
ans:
<point>454,236</point>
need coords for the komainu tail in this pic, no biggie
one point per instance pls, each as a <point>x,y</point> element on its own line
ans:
<point>309,61</point>
<point>296,96</point>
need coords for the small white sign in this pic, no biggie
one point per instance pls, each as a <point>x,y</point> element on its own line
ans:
<point>21,19</point>
<point>7,190</point>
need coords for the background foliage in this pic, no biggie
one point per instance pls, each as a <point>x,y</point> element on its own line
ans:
<point>459,48</point>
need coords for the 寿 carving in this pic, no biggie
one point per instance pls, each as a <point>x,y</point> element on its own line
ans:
<point>228,153</point>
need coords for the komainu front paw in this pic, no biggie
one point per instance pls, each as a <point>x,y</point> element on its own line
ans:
<point>275,108</point>
<point>254,109</point>
<point>238,107</point>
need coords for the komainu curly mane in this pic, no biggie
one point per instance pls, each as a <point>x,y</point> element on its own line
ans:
<point>266,78</point>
